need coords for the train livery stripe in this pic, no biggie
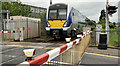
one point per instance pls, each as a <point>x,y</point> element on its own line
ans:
<point>52,54</point>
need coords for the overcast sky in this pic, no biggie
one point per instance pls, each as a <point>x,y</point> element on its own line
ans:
<point>90,8</point>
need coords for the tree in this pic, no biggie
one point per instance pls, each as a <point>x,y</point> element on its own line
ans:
<point>102,16</point>
<point>16,9</point>
<point>103,23</point>
<point>114,24</point>
<point>43,17</point>
<point>111,25</point>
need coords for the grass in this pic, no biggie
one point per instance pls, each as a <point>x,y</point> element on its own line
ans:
<point>113,41</point>
<point>114,37</point>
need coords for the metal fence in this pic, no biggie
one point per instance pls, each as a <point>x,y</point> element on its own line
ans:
<point>69,54</point>
<point>71,57</point>
<point>30,26</point>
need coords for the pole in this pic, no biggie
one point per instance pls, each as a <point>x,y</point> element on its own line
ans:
<point>2,21</point>
<point>1,16</point>
<point>107,23</point>
<point>7,19</point>
<point>1,9</point>
<point>50,2</point>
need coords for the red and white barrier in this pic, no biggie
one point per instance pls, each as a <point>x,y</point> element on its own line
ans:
<point>7,32</point>
<point>53,53</point>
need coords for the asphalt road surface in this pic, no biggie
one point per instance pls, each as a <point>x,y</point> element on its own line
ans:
<point>94,56</point>
<point>12,53</point>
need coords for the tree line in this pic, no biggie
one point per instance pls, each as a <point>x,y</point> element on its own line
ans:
<point>16,9</point>
<point>19,9</point>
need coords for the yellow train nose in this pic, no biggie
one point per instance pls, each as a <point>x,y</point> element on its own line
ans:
<point>56,23</point>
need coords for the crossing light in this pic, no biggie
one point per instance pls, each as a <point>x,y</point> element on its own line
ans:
<point>4,14</point>
<point>112,9</point>
<point>29,53</point>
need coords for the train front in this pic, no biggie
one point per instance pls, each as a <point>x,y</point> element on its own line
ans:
<point>57,22</point>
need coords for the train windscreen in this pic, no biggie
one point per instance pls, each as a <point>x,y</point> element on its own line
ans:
<point>58,14</point>
<point>62,14</point>
<point>53,14</point>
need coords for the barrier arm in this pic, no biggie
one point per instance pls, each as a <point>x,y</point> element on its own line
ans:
<point>39,60</point>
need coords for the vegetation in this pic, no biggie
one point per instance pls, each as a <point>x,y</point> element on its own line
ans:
<point>114,33</point>
<point>43,17</point>
<point>102,22</point>
<point>16,9</point>
<point>102,16</point>
<point>114,38</point>
<point>111,25</point>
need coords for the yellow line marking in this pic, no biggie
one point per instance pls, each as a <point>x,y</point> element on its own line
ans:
<point>29,46</point>
<point>102,55</point>
<point>54,48</point>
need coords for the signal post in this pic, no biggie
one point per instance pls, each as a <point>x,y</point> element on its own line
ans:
<point>109,11</point>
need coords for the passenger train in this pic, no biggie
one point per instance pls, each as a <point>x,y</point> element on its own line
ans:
<point>64,21</point>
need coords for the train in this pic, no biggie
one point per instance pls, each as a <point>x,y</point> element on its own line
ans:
<point>62,20</point>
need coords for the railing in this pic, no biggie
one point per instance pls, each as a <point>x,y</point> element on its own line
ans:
<point>68,54</point>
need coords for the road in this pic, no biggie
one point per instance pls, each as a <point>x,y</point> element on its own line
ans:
<point>95,56</point>
<point>12,53</point>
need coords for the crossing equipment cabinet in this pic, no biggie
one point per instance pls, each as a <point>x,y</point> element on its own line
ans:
<point>102,41</point>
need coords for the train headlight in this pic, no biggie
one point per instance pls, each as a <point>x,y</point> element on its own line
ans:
<point>65,24</point>
<point>48,24</point>
<point>29,53</point>
<point>47,28</point>
<point>65,28</point>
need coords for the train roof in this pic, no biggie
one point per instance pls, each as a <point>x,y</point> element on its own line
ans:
<point>58,6</point>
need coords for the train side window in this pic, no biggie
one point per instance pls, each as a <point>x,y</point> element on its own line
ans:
<point>72,14</point>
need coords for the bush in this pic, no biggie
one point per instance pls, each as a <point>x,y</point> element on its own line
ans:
<point>111,25</point>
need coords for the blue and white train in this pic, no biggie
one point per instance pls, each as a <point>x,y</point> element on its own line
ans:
<point>63,21</point>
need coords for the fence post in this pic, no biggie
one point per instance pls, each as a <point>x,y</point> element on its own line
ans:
<point>21,34</point>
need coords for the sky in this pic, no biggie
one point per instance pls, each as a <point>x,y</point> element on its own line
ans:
<point>89,8</point>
